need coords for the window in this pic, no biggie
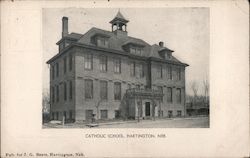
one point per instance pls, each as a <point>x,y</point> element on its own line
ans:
<point>88,89</point>
<point>102,42</point>
<point>61,46</point>
<point>65,91</point>
<point>57,69</point>
<point>89,115</point>
<point>117,65</point>
<point>65,65</point>
<point>104,114</point>
<point>117,91</point>
<point>168,55</point>
<point>141,70</point>
<point>53,71</point>
<point>57,93</point>
<point>70,62</point>
<point>169,95</point>
<point>88,62</point>
<point>179,73</point>
<point>179,113</point>
<point>178,95</point>
<point>132,50</point>
<point>159,71</point>
<point>103,63</point>
<point>160,89</point>
<point>67,43</point>
<point>70,90</point>
<point>169,71</point>
<point>170,113</point>
<point>53,94</point>
<point>132,69</point>
<point>138,51</point>
<point>103,90</point>
<point>117,114</point>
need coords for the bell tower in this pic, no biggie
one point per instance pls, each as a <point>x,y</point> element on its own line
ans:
<point>119,24</point>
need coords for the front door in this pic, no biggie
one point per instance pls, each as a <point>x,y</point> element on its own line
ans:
<point>147,108</point>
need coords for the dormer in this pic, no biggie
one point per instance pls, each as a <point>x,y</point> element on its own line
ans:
<point>164,52</point>
<point>67,38</point>
<point>134,48</point>
<point>100,40</point>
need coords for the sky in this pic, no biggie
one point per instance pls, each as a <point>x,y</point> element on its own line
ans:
<point>184,30</point>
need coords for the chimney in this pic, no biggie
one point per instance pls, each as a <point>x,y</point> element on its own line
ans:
<point>161,44</point>
<point>64,26</point>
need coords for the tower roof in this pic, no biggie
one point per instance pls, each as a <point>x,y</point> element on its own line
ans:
<point>119,18</point>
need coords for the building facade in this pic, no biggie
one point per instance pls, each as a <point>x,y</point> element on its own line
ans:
<point>112,75</point>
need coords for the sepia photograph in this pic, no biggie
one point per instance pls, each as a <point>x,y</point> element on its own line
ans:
<point>125,68</point>
<point>124,79</point>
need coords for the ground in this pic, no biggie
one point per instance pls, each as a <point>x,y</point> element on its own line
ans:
<point>194,122</point>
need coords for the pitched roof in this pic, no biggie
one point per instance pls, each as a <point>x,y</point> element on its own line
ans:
<point>117,43</point>
<point>74,35</point>
<point>119,17</point>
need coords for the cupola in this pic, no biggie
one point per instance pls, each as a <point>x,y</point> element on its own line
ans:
<point>119,24</point>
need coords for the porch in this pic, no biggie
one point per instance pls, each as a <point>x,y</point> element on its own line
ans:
<point>144,103</point>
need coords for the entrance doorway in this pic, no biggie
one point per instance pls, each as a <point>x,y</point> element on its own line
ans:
<point>147,108</point>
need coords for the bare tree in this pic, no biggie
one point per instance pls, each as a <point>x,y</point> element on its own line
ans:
<point>46,102</point>
<point>206,89</point>
<point>195,88</point>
